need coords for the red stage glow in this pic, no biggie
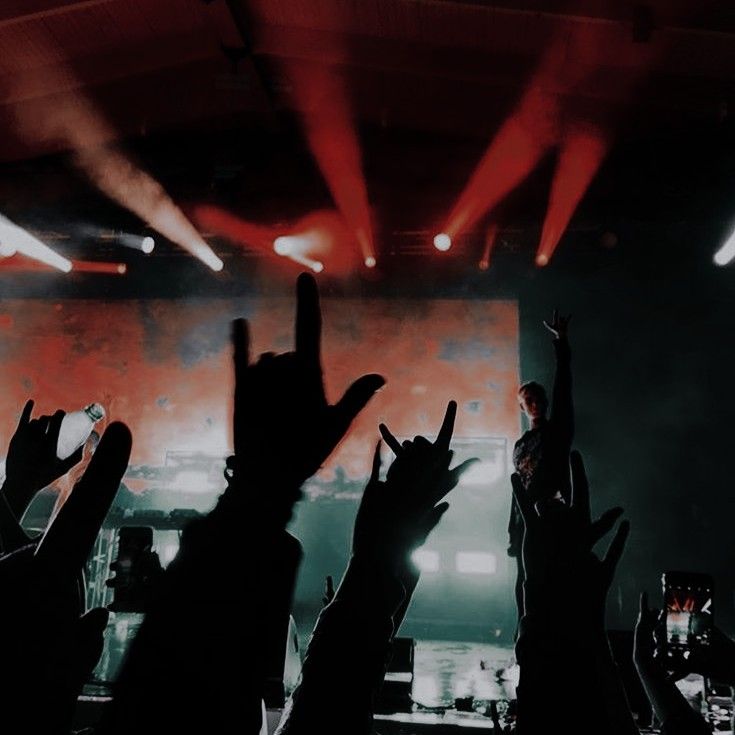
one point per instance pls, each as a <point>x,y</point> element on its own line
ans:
<point>490,237</point>
<point>239,231</point>
<point>580,157</point>
<point>541,121</point>
<point>22,264</point>
<point>321,94</point>
<point>164,366</point>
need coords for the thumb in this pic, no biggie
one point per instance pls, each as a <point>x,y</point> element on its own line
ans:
<point>354,400</point>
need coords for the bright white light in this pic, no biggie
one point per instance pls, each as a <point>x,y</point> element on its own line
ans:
<point>425,690</point>
<point>283,245</point>
<point>192,481</point>
<point>136,242</point>
<point>295,247</point>
<point>542,260</point>
<point>727,252</point>
<point>167,553</point>
<point>476,562</point>
<point>22,241</point>
<point>484,265</point>
<point>207,256</point>
<point>370,262</point>
<point>442,242</point>
<point>6,250</point>
<point>426,560</point>
<point>484,473</point>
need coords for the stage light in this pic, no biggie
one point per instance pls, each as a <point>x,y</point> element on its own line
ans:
<point>6,250</point>
<point>134,242</point>
<point>202,251</point>
<point>542,260</point>
<point>442,242</point>
<point>476,562</point>
<point>23,242</point>
<point>370,262</point>
<point>98,266</point>
<point>317,267</point>
<point>727,252</point>
<point>426,560</point>
<point>283,245</point>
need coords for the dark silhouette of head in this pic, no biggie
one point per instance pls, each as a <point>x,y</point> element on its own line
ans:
<point>533,400</point>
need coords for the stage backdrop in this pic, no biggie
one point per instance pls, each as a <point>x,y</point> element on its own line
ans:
<point>164,367</point>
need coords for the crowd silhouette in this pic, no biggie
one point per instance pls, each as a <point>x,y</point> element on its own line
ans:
<point>212,640</point>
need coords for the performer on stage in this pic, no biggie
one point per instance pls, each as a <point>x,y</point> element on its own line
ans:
<point>541,455</point>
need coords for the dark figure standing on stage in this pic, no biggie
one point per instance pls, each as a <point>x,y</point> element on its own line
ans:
<point>541,455</point>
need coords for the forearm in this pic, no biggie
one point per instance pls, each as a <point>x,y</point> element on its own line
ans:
<point>558,646</point>
<point>345,662</point>
<point>562,407</point>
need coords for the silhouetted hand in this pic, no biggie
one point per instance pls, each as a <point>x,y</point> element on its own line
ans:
<point>284,428</point>
<point>559,325</point>
<point>557,548</point>
<point>32,464</point>
<point>49,646</point>
<point>396,516</point>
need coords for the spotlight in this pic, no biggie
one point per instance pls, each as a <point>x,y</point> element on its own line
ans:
<point>23,242</point>
<point>206,255</point>
<point>542,260</point>
<point>727,252</point>
<point>484,265</point>
<point>370,262</point>
<point>442,242</point>
<point>135,242</point>
<point>317,267</point>
<point>426,560</point>
<point>283,245</point>
<point>6,250</point>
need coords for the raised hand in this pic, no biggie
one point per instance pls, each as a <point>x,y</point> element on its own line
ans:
<point>284,427</point>
<point>32,464</point>
<point>49,644</point>
<point>396,516</point>
<point>667,701</point>
<point>559,325</point>
<point>558,541</point>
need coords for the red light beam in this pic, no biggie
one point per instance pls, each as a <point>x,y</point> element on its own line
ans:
<point>580,157</point>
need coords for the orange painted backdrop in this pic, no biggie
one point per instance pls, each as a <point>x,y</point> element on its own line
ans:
<point>163,367</point>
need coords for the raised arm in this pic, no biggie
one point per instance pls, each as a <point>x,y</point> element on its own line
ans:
<point>562,407</point>
<point>346,659</point>
<point>562,633</point>
<point>222,613</point>
<point>671,709</point>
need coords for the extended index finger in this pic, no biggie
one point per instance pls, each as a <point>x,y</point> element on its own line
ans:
<point>25,415</point>
<point>69,540</point>
<point>447,428</point>
<point>308,319</point>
